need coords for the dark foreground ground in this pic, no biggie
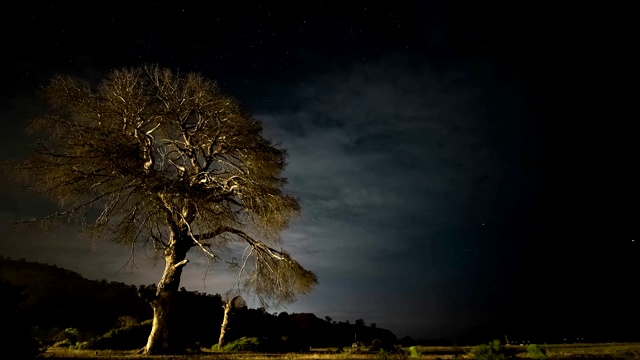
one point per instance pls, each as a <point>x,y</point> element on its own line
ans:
<point>609,351</point>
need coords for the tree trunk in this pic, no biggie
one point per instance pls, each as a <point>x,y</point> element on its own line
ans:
<point>163,303</point>
<point>158,342</point>
<point>225,322</point>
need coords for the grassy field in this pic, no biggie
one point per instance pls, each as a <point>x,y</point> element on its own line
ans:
<point>628,351</point>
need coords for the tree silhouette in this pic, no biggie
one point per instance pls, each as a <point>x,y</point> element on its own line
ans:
<point>150,158</point>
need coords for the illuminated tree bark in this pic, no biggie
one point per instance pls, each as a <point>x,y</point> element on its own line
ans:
<point>225,323</point>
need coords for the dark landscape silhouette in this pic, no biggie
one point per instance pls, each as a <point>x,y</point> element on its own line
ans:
<point>58,306</point>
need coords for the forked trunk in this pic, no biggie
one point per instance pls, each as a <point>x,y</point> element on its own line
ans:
<point>225,321</point>
<point>163,304</point>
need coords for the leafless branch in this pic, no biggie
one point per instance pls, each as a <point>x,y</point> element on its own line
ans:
<point>164,162</point>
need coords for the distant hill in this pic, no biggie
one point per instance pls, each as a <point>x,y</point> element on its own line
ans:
<point>57,299</point>
<point>60,298</point>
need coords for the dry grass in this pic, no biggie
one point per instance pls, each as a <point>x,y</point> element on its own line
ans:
<point>617,350</point>
<point>627,351</point>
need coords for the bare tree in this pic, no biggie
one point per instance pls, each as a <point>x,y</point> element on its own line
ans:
<point>229,304</point>
<point>151,158</point>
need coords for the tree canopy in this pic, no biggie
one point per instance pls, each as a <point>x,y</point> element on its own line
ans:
<point>169,162</point>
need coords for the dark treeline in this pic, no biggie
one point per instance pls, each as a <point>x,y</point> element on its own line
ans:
<point>56,302</point>
<point>47,301</point>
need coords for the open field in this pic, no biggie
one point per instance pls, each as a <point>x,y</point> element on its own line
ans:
<point>628,351</point>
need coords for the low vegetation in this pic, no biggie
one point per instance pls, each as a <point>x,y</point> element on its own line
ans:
<point>536,351</point>
<point>613,351</point>
<point>492,351</point>
<point>415,352</point>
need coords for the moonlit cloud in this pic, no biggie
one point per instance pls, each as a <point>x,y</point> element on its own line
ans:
<point>385,158</point>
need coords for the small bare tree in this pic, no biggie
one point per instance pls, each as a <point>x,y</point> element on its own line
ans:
<point>151,158</point>
<point>229,304</point>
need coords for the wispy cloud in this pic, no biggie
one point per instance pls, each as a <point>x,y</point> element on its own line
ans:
<point>385,158</point>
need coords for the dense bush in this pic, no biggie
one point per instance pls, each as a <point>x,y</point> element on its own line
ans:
<point>70,334</point>
<point>270,345</point>
<point>492,351</point>
<point>415,352</point>
<point>63,343</point>
<point>82,345</point>
<point>536,351</point>
<point>244,344</point>
<point>125,338</point>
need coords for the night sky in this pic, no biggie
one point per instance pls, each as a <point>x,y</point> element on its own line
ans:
<point>457,165</point>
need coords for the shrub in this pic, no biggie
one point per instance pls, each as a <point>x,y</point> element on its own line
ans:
<point>383,355</point>
<point>377,345</point>
<point>394,354</point>
<point>536,351</point>
<point>63,343</point>
<point>492,351</point>
<point>415,352</point>
<point>82,345</point>
<point>70,334</point>
<point>270,345</point>
<point>243,344</point>
<point>127,338</point>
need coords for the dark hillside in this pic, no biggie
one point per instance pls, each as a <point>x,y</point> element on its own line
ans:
<point>55,299</point>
